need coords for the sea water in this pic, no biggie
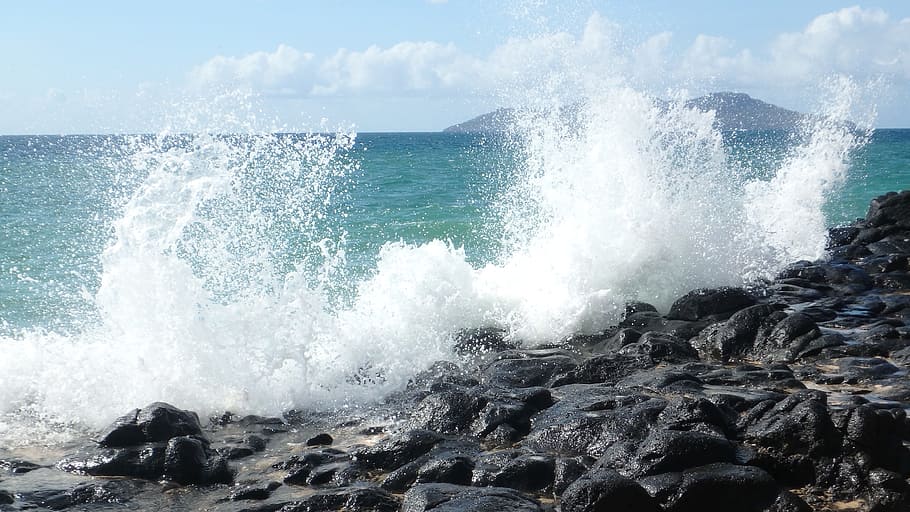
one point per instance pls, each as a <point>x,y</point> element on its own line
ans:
<point>258,272</point>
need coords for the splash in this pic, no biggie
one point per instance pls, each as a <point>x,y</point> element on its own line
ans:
<point>220,290</point>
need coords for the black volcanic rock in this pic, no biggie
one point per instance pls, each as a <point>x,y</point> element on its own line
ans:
<point>704,302</point>
<point>716,488</point>
<point>605,490</point>
<point>398,449</point>
<point>455,498</point>
<point>156,422</point>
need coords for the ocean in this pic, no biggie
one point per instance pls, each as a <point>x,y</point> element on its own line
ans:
<point>260,272</point>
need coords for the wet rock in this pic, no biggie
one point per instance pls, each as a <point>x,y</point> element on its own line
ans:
<point>623,337</point>
<point>605,490</point>
<point>256,443</point>
<point>609,369</point>
<point>721,488</point>
<point>566,471</point>
<point>254,491</point>
<point>302,466</point>
<point>893,280</point>
<point>841,236</point>
<point>93,494</point>
<point>788,502</point>
<point>660,347</point>
<point>666,451</point>
<point>665,379</point>
<point>352,499</point>
<point>590,418</point>
<point>794,437</point>
<point>236,452</point>
<point>156,422</point>
<point>638,307</point>
<point>506,417</point>
<point>326,473</point>
<point>319,439</point>
<point>687,413</point>
<point>442,374</point>
<point>524,472</point>
<point>891,209</point>
<point>18,466</point>
<point>864,369</point>
<point>401,479</point>
<point>880,434</point>
<point>456,469</point>
<point>482,340</point>
<point>734,338</point>
<point>704,302</point>
<point>456,498</point>
<point>787,338</point>
<point>160,422</point>
<point>124,431</point>
<point>686,330</point>
<point>775,376</point>
<point>790,292</point>
<point>886,491</point>
<point>397,450</point>
<point>145,461</point>
<point>528,371</point>
<point>827,276</point>
<point>107,492</point>
<point>643,321</point>
<point>447,411</point>
<point>184,460</point>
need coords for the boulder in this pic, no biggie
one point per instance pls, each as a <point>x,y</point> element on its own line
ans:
<point>457,498</point>
<point>605,490</point>
<point>891,209</point>
<point>156,422</point>
<point>660,347</point>
<point>350,499</point>
<point>527,371</point>
<point>704,302</point>
<point>397,450</point>
<point>733,339</point>
<point>722,488</point>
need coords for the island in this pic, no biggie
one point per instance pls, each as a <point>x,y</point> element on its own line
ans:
<point>733,111</point>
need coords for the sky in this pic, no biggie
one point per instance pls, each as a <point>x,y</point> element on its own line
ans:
<point>422,65</point>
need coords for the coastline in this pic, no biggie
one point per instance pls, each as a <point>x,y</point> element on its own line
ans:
<point>790,396</point>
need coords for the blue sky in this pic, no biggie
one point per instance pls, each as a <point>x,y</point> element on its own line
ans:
<point>76,67</point>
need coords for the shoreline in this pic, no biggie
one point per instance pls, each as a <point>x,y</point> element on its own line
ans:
<point>791,397</point>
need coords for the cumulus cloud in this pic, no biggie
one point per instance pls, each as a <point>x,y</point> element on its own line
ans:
<point>269,71</point>
<point>406,66</point>
<point>853,41</point>
<point>856,41</point>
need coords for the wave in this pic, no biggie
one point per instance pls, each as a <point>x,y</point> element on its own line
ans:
<point>200,306</point>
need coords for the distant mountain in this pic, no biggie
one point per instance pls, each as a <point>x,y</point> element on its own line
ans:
<point>496,121</point>
<point>732,111</point>
<point>738,111</point>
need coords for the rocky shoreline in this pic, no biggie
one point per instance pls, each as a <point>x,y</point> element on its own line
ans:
<point>791,396</point>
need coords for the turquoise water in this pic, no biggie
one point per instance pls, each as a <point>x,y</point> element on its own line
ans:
<point>61,194</point>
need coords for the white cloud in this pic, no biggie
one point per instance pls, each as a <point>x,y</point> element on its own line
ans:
<point>406,66</point>
<point>851,40</point>
<point>854,41</point>
<point>261,70</point>
<point>861,42</point>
